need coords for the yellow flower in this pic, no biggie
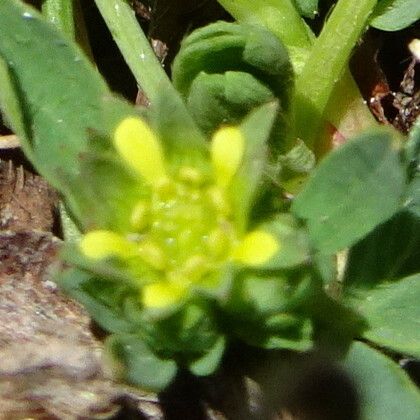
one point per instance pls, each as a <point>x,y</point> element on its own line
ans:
<point>184,231</point>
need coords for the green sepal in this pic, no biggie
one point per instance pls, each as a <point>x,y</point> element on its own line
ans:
<point>386,391</point>
<point>392,312</point>
<point>354,189</point>
<point>246,184</point>
<point>293,243</point>
<point>135,363</point>
<point>208,363</point>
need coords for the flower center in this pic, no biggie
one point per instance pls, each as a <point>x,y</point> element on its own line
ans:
<point>185,230</point>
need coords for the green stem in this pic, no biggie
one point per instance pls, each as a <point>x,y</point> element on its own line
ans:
<point>326,64</point>
<point>281,18</point>
<point>142,61</point>
<point>61,14</point>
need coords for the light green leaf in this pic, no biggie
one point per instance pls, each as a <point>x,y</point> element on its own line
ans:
<point>394,15</point>
<point>353,190</point>
<point>385,390</point>
<point>138,365</point>
<point>392,312</point>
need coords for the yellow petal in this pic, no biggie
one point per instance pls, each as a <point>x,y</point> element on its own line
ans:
<point>140,148</point>
<point>256,248</point>
<point>227,150</point>
<point>162,294</point>
<point>103,243</point>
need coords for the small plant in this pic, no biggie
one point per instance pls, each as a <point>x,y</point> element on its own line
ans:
<point>209,217</point>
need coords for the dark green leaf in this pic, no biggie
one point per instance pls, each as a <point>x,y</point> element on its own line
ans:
<point>394,15</point>
<point>385,390</point>
<point>353,190</point>
<point>307,8</point>
<point>222,48</point>
<point>138,365</point>
<point>215,99</point>
<point>207,364</point>
<point>391,251</point>
<point>392,312</point>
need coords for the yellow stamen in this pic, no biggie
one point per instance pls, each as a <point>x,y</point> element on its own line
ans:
<point>195,267</point>
<point>162,294</point>
<point>152,255</point>
<point>218,243</point>
<point>140,148</point>
<point>139,216</point>
<point>218,200</point>
<point>227,150</point>
<point>190,175</point>
<point>103,243</point>
<point>256,248</point>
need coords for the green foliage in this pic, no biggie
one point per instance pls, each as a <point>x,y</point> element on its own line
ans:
<point>393,15</point>
<point>386,392</point>
<point>138,365</point>
<point>224,70</point>
<point>307,8</point>
<point>352,191</point>
<point>392,313</point>
<point>363,197</point>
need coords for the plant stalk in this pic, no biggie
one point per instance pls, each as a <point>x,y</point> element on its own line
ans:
<point>141,59</point>
<point>61,14</point>
<point>326,65</point>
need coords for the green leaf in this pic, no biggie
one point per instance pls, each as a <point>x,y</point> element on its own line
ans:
<point>207,364</point>
<point>138,365</point>
<point>353,190</point>
<point>391,251</point>
<point>233,50</point>
<point>54,100</point>
<point>394,15</point>
<point>307,8</point>
<point>102,298</point>
<point>293,243</point>
<point>215,99</point>
<point>412,154</point>
<point>392,312</point>
<point>186,334</point>
<point>385,390</point>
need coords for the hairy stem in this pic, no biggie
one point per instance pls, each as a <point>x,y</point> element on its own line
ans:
<point>61,14</point>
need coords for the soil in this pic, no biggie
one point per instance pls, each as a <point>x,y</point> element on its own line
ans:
<point>52,361</point>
